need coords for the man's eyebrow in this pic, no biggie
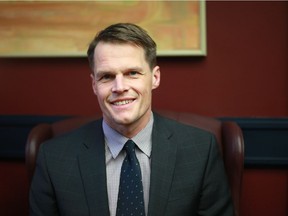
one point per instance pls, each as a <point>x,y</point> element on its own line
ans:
<point>135,69</point>
<point>102,72</point>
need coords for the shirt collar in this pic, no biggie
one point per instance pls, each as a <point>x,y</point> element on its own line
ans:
<point>116,141</point>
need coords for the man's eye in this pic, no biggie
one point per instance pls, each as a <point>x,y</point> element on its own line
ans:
<point>133,73</point>
<point>106,77</point>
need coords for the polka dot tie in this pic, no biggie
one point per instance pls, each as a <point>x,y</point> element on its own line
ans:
<point>130,196</point>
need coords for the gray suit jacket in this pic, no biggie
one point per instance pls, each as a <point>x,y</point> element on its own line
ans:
<point>187,173</point>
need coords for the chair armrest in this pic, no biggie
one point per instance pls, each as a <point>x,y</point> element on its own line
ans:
<point>36,137</point>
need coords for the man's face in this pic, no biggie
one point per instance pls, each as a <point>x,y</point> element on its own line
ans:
<point>123,83</point>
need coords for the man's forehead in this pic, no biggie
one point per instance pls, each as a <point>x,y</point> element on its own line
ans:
<point>117,45</point>
<point>118,52</point>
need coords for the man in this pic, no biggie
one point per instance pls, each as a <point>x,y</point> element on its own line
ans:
<point>82,173</point>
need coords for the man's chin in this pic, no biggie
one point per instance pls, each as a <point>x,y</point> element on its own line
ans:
<point>122,121</point>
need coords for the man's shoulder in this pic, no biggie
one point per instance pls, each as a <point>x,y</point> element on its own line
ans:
<point>74,137</point>
<point>178,126</point>
<point>188,138</point>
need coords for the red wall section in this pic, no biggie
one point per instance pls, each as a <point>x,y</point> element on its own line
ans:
<point>13,189</point>
<point>46,87</point>
<point>244,74</point>
<point>265,193</point>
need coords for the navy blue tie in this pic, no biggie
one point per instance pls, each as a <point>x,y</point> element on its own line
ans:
<point>130,196</point>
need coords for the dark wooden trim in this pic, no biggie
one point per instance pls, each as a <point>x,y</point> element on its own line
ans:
<point>266,141</point>
<point>14,131</point>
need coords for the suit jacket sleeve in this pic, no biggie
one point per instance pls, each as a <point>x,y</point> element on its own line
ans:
<point>42,198</point>
<point>215,197</point>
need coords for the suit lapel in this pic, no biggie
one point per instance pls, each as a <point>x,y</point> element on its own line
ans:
<point>162,167</point>
<point>92,168</point>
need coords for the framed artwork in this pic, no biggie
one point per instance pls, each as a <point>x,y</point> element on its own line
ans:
<point>65,28</point>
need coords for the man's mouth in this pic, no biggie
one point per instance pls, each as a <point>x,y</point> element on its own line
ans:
<point>119,103</point>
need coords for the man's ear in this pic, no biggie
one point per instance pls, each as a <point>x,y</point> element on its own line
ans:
<point>156,77</point>
<point>93,83</point>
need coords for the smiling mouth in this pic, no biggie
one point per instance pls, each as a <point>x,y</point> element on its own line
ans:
<point>119,103</point>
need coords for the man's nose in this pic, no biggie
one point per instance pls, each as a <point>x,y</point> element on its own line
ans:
<point>119,84</point>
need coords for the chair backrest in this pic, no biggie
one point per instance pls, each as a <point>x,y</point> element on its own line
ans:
<point>228,134</point>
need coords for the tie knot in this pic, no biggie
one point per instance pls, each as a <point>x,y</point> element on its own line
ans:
<point>130,147</point>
